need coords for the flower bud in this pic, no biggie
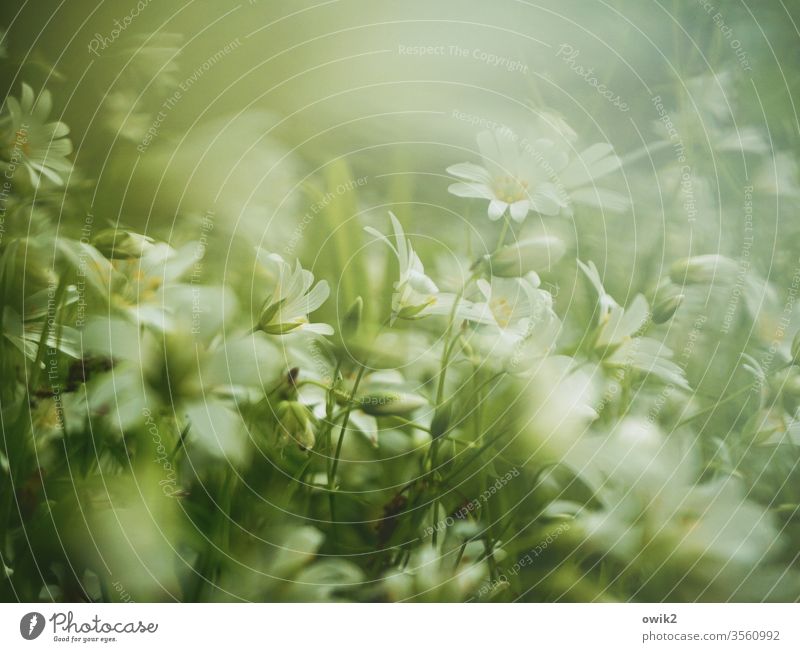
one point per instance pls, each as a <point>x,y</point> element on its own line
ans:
<point>441,419</point>
<point>295,424</point>
<point>266,321</point>
<point>703,269</point>
<point>390,403</point>
<point>664,309</point>
<point>115,243</point>
<point>413,295</point>
<point>537,253</point>
<point>790,392</point>
<point>411,312</point>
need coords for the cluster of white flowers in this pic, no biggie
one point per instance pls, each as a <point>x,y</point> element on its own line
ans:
<point>38,146</point>
<point>543,173</point>
<point>125,344</point>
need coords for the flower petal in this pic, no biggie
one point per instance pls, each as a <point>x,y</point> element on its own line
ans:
<point>217,429</point>
<point>470,171</point>
<point>473,190</point>
<point>318,328</point>
<point>496,209</point>
<point>519,210</point>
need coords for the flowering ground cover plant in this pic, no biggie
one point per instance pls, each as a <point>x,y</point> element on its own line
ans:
<point>277,326</point>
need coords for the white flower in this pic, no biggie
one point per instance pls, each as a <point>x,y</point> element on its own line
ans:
<point>415,295</point>
<point>201,381</point>
<point>615,323</point>
<point>122,244</point>
<point>290,571</point>
<point>605,300</point>
<point>653,513</point>
<point>650,357</point>
<point>515,321</point>
<point>25,334</point>
<point>559,402</point>
<point>40,146</point>
<point>147,277</point>
<point>619,340</point>
<point>292,298</point>
<point>537,174</point>
<point>429,575</point>
<point>512,180</point>
<point>149,285</point>
<point>509,303</point>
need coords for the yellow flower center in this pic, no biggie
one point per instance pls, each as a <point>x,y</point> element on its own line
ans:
<point>510,189</point>
<point>21,141</point>
<point>501,310</point>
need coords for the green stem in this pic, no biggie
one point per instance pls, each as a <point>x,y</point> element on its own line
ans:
<point>408,422</point>
<point>483,480</point>
<point>503,232</point>
<point>717,405</point>
<point>330,404</point>
<point>15,451</point>
<point>337,454</point>
<point>218,539</point>
<point>315,383</point>
<point>475,456</point>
